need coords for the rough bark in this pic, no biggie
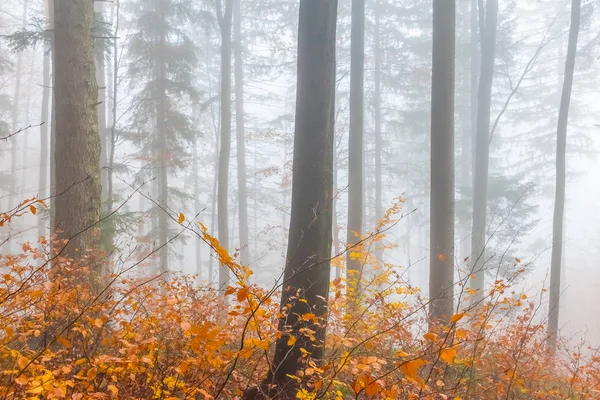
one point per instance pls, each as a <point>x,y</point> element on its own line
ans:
<point>482,149</point>
<point>240,135</point>
<point>307,270</point>
<point>441,256</point>
<point>559,200</point>
<point>355,145</point>
<point>77,155</point>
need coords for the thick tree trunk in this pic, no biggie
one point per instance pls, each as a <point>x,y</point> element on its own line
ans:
<point>224,17</point>
<point>355,146</point>
<point>441,255</point>
<point>482,149</point>
<point>77,154</point>
<point>307,270</point>
<point>115,95</point>
<point>559,201</point>
<point>240,135</point>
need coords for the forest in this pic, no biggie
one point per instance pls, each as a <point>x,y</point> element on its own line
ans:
<point>299,199</point>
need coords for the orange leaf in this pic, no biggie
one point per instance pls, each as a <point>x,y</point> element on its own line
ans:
<point>291,340</point>
<point>22,362</point>
<point>181,218</point>
<point>447,355</point>
<point>33,210</point>
<point>22,380</point>
<point>430,336</point>
<point>411,368</point>
<point>457,317</point>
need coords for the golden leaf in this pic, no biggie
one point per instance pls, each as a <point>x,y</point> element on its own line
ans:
<point>447,355</point>
<point>457,317</point>
<point>181,218</point>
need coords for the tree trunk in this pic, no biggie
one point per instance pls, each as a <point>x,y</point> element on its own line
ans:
<point>113,129</point>
<point>197,207</point>
<point>441,255</point>
<point>162,147</point>
<point>44,139</point>
<point>559,201</point>
<point>77,154</point>
<point>224,18</point>
<point>482,149</point>
<point>377,117</point>
<point>307,270</point>
<point>355,146</point>
<point>240,135</point>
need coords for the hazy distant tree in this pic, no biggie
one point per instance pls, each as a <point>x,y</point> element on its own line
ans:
<point>224,17</point>
<point>77,153</point>
<point>488,27</point>
<point>559,200</point>
<point>441,254</point>
<point>307,269</point>
<point>161,70</point>
<point>240,135</point>
<point>355,144</point>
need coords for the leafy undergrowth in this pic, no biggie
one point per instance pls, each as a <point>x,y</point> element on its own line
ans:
<point>144,338</point>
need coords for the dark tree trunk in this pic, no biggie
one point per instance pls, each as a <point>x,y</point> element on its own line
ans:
<point>482,148</point>
<point>441,255</point>
<point>77,155</point>
<point>559,201</point>
<point>355,145</point>
<point>224,17</point>
<point>240,135</point>
<point>307,270</point>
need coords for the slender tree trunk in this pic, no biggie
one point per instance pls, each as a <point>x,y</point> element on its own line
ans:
<point>559,202</point>
<point>224,18</point>
<point>77,154</point>
<point>44,132</point>
<point>162,147</point>
<point>355,146</point>
<point>377,118</point>
<point>240,135</point>
<point>28,91</point>
<point>336,228</point>
<point>197,207</point>
<point>307,270</point>
<point>115,96</point>
<point>482,149</point>
<point>441,256</point>
<point>101,80</point>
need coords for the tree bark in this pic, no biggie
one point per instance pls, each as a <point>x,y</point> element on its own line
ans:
<point>482,149</point>
<point>307,270</point>
<point>441,256</point>
<point>224,17</point>
<point>44,132</point>
<point>355,146</point>
<point>77,154</point>
<point>559,201</point>
<point>377,118</point>
<point>240,135</point>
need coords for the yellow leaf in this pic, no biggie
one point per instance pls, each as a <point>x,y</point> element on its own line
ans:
<point>33,210</point>
<point>113,389</point>
<point>22,362</point>
<point>524,296</point>
<point>457,317</point>
<point>181,218</point>
<point>291,340</point>
<point>430,336</point>
<point>447,355</point>
<point>309,316</point>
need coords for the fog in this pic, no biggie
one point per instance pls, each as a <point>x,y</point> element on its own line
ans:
<point>531,47</point>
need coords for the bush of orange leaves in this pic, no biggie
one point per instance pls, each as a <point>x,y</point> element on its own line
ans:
<point>170,338</point>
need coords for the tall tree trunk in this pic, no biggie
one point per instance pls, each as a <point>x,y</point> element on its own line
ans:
<point>12,193</point>
<point>197,206</point>
<point>77,154</point>
<point>115,96</point>
<point>355,145</point>
<point>101,80</point>
<point>44,139</point>
<point>240,135</point>
<point>162,146</point>
<point>377,118</point>
<point>441,255</point>
<point>482,149</point>
<point>307,269</point>
<point>559,200</point>
<point>224,17</point>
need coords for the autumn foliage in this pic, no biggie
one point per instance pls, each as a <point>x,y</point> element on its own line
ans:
<point>147,337</point>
